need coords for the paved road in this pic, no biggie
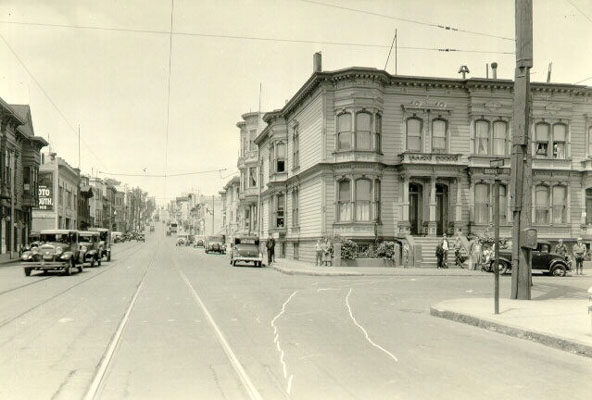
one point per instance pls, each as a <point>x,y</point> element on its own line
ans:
<point>167,322</point>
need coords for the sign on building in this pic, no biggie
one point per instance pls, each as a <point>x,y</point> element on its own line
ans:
<point>46,191</point>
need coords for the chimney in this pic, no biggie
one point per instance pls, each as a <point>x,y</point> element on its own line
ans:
<point>317,64</point>
<point>494,70</point>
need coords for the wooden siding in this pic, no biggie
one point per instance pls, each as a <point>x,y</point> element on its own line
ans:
<point>310,208</point>
<point>310,119</point>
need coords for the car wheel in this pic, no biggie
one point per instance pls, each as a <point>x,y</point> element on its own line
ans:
<point>81,268</point>
<point>503,268</point>
<point>92,262</point>
<point>109,256</point>
<point>559,270</point>
<point>68,269</point>
<point>99,261</point>
<point>28,271</point>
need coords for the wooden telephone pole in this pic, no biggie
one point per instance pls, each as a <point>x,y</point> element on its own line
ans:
<point>521,153</point>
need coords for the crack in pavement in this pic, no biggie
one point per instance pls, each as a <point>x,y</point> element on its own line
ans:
<point>276,340</point>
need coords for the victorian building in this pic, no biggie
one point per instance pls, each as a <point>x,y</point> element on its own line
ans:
<point>248,165</point>
<point>20,159</point>
<point>230,214</point>
<point>370,156</point>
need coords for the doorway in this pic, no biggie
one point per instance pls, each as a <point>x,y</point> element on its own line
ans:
<point>441,209</point>
<point>416,208</point>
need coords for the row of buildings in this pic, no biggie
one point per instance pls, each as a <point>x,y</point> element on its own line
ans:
<point>371,156</point>
<point>71,200</point>
<point>195,214</point>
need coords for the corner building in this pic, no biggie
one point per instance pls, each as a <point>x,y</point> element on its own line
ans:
<point>367,155</point>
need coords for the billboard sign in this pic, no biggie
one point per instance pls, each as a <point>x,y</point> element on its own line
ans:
<point>46,191</point>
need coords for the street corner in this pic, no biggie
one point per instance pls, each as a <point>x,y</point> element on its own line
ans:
<point>561,324</point>
<point>311,271</point>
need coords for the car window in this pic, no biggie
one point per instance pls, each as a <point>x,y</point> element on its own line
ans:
<point>544,248</point>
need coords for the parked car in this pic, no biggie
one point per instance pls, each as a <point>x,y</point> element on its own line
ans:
<point>246,249</point>
<point>543,260</point>
<point>116,237</point>
<point>105,243</point>
<point>215,244</point>
<point>90,242</point>
<point>60,250</point>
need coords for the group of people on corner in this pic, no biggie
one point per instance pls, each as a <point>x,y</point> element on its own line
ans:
<point>323,251</point>
<point>479,254</point>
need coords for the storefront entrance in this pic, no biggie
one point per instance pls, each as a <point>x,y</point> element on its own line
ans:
<point>441,209</point>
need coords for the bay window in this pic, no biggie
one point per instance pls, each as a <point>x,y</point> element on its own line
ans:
<point>542,133</point>
<point>377,195</point>
<point>559,139</point>
<point>279,207</point>
<point>559,204</point>
<point>280,157</point>
<point>252,177</point>
<point>414,134</point>
<point>378,128</point>
<point>500,138</point>
<point>344,200</point>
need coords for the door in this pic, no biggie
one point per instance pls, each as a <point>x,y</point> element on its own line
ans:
<point>415,208</point>
<point>441,209</point>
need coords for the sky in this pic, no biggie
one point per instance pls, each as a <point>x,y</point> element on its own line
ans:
<point>114,82</point>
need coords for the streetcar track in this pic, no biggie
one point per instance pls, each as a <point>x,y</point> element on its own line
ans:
<point>46,300</point>
<point>102,369</point>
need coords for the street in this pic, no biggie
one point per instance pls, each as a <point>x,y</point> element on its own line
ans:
<point>199,328</point>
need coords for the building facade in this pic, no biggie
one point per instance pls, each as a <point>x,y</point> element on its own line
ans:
<point>61,183</point>
<point>249,168</point>
<point>20,160</point>
<point>370,156</point>
<point>85,194</point>
<point>230,211</point>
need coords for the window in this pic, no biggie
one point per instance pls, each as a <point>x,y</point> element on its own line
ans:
<point>542,205</point>
<point>503,203</point>
<point>363,131</point>
<point>279,210</point>
<point>439,136</point>
<point>482,137</point>
<point>252,135</point>
<point>481,203</point>
<point>296,250</point>
<point>363,193</point>
<point>280,157</point>
<point>542,131</point>
<point>244,146</point>
<point>344,201</point>
<point>590,142</point>
<point>559,139</point>
<point>27,179</point>
<point>378,127</point>
<point>414,137</point>
<point>559,204</point>
<point>589,206</point>
<point>252,177</point>
<point>344,131</point>
<point>500,138</point>
<point>296,148</point>
<point>295,216</point>
<point>377,195</point>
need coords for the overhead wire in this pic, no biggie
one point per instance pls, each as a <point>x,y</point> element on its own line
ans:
<point>409,20</point>
<point>168,109</point>
<point>162,175</point>
<point>579,10</point>
<point>49,98</point>
<point>259,38</point>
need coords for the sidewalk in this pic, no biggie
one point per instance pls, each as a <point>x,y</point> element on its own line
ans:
<point>294,267</point>
<point>5,259</point>
<point>562,324</point>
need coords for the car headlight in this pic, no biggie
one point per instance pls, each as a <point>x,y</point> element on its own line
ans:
<point>59,250</point>
<point>34,250</point>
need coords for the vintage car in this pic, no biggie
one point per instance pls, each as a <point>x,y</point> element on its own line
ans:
<point>199,241</point>
<point>182,240</point>
<point>246,249</point>
<point>543,260</point>
<point>59,250</point>
<point>90,242</point>
<point>116,237</point>
<point>215,244</point>
<point>105,244</point>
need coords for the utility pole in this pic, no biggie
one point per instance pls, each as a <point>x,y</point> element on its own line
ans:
<point>521,158</point>
<point>213,211</point>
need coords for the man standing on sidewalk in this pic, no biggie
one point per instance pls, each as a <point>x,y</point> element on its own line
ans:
<point>270,246</point>
<point>579,252</point>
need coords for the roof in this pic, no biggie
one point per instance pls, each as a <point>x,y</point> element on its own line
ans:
<point>24,111</point>
<point>46,231</point>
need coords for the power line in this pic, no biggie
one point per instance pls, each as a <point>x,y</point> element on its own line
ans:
<point>583,80</point>
<point>412,21</point>
<point>28,71</point>
<point>162,175</point>
<point>580,11</point>
<point>260,38</point>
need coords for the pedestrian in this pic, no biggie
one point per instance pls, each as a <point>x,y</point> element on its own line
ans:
<point>458,258</point>
<point>319,253</point>
<point>270,246</point>
<point>445,247</point>
<point>439,256</point>
<point>579,252</point>
<point>475,251</point>
<point>327,256</point>
<point>561,249</point>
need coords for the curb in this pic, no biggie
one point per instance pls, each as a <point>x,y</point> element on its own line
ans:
<point>542,338</point>
<point>357,273</point>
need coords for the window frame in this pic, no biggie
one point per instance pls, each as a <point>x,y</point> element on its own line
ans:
<point>482,207</point>
<point>296,147</point>
<point>444,138</point>
<point>344,204</point>
<point>563,216</point>
<point>555,141</point>
<point>539,142</point>
<point>358,203</point>
<point>479,138</point>
<point>358,132</point>
<point>295,210</point>
<point>495,139</point>
<point>420,134</point>
<point>345,132</point>
<point>542,212</point>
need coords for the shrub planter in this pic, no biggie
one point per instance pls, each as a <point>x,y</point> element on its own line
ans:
<point>368,262</point>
